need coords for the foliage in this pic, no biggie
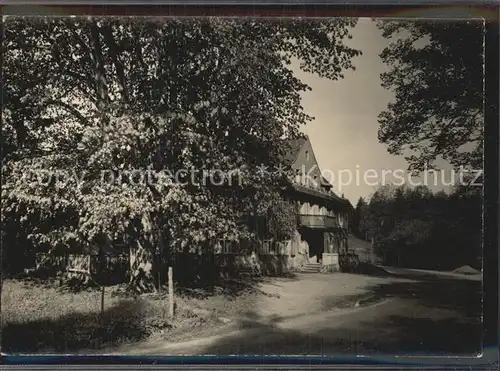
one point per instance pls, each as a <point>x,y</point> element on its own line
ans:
<point>411,232</point>
<point>436,74</point>
<point>415,227</point>
<point>99,99</point>
<point>357,222</point>
<point>348,263</point>
<point>282,220</point>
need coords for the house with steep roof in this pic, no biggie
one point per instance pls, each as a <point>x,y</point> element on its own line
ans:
<point>322,216</point>
<point>321,237</point>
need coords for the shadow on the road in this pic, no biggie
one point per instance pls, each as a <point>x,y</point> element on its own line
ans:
<point>353,301</point>
<point>461,296</point>
<point>230,287</point>
<point>394,335</point>
<point>368,269</point>
<point>452,325</point>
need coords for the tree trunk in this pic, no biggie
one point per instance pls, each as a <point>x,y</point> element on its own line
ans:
<point>2,265</point>
<point>141,268</point>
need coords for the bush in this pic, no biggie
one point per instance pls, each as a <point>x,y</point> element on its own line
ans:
<point>348,262</point>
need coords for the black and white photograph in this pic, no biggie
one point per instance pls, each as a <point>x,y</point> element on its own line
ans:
<point>242,186</point>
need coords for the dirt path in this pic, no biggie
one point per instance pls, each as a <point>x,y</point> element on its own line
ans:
<point>416,312</point>
<point>257,332</point>
<point>310,293</point>
<point>308,301</point>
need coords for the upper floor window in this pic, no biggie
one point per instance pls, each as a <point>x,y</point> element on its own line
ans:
<point>315,210</point>
<point>307,155</point>
<point>305,208</point>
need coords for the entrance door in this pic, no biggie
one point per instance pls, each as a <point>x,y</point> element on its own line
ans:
<point>315,240</point>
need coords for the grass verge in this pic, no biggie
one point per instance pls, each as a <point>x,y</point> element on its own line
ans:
<point>43,317</point>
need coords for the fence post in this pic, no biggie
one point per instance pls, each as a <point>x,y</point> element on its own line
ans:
<point>102,306</point>
<point>170,293</point>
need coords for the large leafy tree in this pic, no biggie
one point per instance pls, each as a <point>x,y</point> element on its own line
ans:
<point>98,97</point>
<point>435,69</point>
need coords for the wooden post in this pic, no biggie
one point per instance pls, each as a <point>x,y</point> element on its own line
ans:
<point>102,306</point>
<point>170,293</point>
<point>100,332</point>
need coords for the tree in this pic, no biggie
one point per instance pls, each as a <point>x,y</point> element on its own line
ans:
<point>359,213</point>
<point>416,228</point>
<point>99,99</point>
<point>436,73</point>
<point>282,220</point>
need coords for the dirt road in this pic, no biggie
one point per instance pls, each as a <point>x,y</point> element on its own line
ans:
<point>320,314</point>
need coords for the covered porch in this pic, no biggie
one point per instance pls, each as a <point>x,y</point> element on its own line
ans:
<point>326,244</point>
<point>322,222</point>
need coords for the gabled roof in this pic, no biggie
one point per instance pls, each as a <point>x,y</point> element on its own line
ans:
<point>294,148</point>
<point>295,145</point>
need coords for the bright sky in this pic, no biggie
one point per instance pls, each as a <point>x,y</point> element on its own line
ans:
<point>344,132</point>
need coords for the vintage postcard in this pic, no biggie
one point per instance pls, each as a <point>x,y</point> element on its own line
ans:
<point>242,186</point>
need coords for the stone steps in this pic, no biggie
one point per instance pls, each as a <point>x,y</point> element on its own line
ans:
<point>311,268</point>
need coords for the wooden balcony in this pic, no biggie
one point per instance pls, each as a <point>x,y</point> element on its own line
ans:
<point>318,221</point>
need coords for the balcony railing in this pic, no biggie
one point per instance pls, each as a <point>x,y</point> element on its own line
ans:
<point>318,221</point>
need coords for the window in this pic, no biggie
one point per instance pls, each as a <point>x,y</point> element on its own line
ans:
<point>305,208</point>
<point>227,247</point>
<point>315,210</point>
<point>307,155</point>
